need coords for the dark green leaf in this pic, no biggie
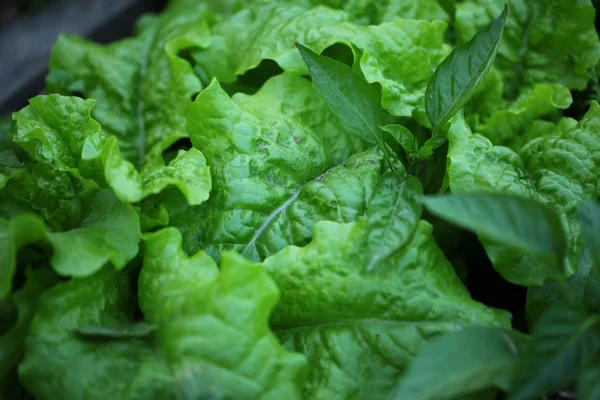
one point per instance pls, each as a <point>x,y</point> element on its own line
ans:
<point>588,384</point>
<point>137,330</point>
<point>455,80</point>
<point>509,220</point>
<point>590,226</point>
<point>564,340</point>
<point>583,286</point>
<point>435,142</point>
<point>402,136</point>
<point>351,97</point>
<point>460,363</point>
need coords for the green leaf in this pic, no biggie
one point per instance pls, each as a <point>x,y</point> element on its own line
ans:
<point>376,11</point>
<point>212,339</point>
<point>268,31</point>
<point>426,151</point>
<point>60,133</point>
<point>508,126</point>
<point>108,231</point>
<point>136,330</point>
<point>588,383</point>
<point>564,340</point>
<point>143,85</point>
<point>590,226</point>
<point>273,176</point>
<point>359,317</point>
<point>25,299</point>
<point>349,95</point>
<point>460,363</point>
<point>394,212</point>
<point>559,169</point>
<point>402,136</point>
<point>536,35</point>
<point>513,221</point>
<point>457,77</point>
<point>583,286</point>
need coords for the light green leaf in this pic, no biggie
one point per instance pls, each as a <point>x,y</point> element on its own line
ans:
<point>561,170</point>
<point>460,363</point>
<point>108,231</point>
<point>590,226</point>
<point>212,340</point>
<point>143,86</point>
<point>290,95</point>
<point>563,341</point>
<point>588,383</point>
<point>508,220</point>
<point>536,35</point>
<point>59,132</point>
<point>371,12</point>
<point>116,369</point>
<point>268,31</point>
<point>348,94</point>
<point>457,77</point>
<point>360,317</point>
<point>394,212</point>
<point>505,125</point>
<point>273,175</point>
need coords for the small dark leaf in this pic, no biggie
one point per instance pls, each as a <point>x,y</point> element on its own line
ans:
<point>402,136</point>
<point>138,330</point>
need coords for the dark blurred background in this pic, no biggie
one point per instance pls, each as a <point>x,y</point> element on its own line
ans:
<point>29,28</point>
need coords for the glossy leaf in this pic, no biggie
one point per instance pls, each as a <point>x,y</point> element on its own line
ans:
<point>59,132</point>
<point>355,313</point>
<point>212,338</point>
<point>108,231</point>
<point>273,176</point>
<point>457,77</point>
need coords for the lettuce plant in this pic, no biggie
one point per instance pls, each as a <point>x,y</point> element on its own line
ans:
<point>297,198</point>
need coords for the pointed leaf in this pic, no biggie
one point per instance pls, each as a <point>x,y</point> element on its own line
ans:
<point>457,77</point>
<point>352,98</point>
<point>402,136</point>
<point>505,219</point>
<point>563,342</point>
<point>462,362</point>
